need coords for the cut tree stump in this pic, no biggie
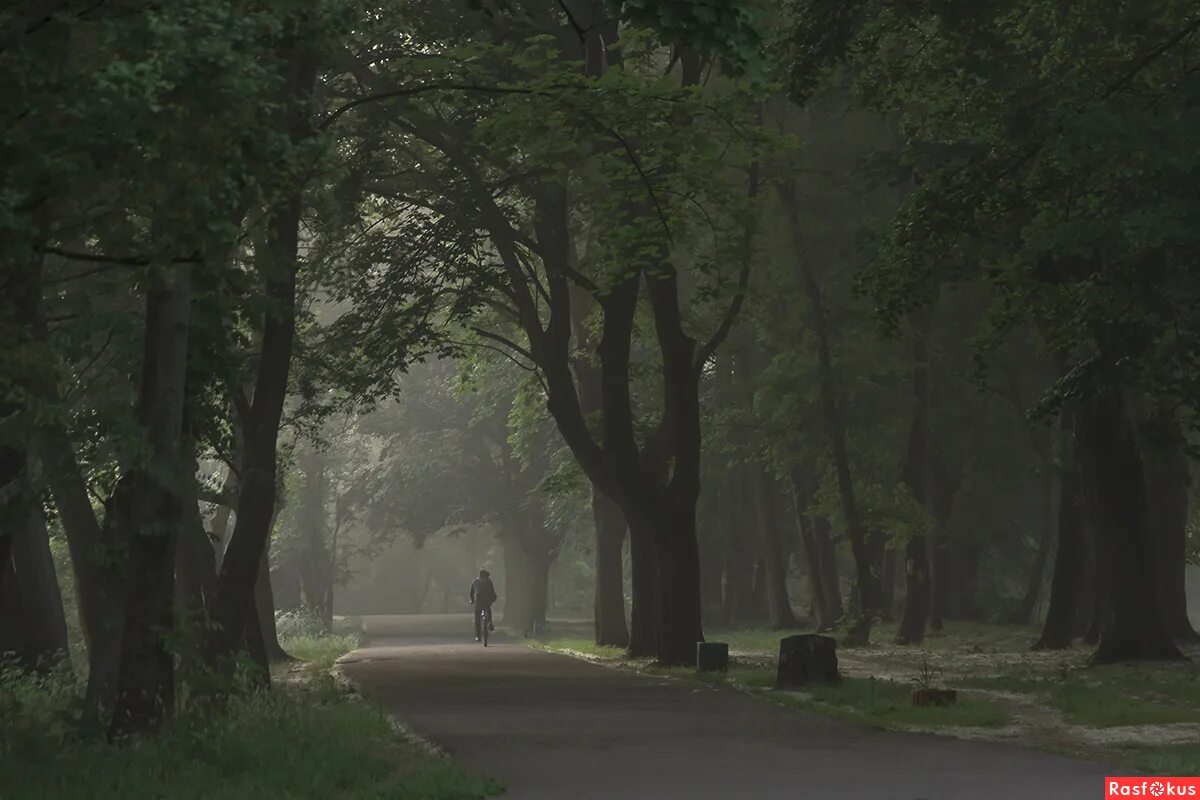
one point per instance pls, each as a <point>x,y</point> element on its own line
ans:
<point>712,657</point>
<point>934,697</point>
<point>807,658</point>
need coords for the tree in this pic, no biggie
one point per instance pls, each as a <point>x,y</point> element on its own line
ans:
<point>1051,192</point>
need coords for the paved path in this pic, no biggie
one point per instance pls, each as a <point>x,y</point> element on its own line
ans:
<point>551,727</point>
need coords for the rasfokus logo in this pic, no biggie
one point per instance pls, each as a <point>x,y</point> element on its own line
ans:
<point>1151,787</point>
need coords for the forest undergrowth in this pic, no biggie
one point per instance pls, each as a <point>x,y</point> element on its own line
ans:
<point>304,738</point>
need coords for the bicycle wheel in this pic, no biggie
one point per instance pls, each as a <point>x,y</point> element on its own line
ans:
<point>483,626</point>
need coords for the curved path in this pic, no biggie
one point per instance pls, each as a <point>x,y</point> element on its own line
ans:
<point>552,727</point>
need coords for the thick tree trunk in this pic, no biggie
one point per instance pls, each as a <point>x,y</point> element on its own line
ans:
<point>775,562</point>
<point>20,320</point>
<point>644,588</point>
<point>679,628</point>
<point>145,698</point>
<point>264,604</point>
<point>42,617</point>
<point>917,597</point>
<point>233,603</point>
<point>610,581</point>
<point>1133,627</point>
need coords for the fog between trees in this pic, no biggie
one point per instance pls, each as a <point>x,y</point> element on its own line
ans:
<point>677,315</point>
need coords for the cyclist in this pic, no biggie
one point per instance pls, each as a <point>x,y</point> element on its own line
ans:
<point>483,594</point>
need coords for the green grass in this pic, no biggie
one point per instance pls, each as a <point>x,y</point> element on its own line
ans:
<point>1163,759</point>
<point>885,704</point>
<point>319,652</point>
<point>881,703</point>
<point>1115,695</point>
<point>579,647</point>
<point>889,705</point>
<point>300,740</point>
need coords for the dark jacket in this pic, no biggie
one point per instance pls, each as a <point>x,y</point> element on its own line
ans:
<point>483,592</point>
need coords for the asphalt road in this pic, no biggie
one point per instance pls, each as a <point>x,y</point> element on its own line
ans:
<point>552,727</point>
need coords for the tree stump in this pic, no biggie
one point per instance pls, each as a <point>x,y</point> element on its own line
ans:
<point>934,697</point>
<point>712,657</point>
<point>807,658</point>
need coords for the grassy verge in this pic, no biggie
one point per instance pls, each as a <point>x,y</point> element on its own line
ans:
<point>1171,759</point>
<point>1095,707</point>
<point>882,703</point>
<point>303,739</point>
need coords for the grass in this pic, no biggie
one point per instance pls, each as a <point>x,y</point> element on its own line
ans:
<point>1115,695</point>
<point>882,703</point>
<point>957,636</point>
<point>301,740</point>
<point>1169,759</point>
<point>888,704</point>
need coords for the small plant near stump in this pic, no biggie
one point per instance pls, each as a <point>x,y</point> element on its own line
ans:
<point>926,694</point>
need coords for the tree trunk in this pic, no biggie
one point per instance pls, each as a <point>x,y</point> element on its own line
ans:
<point>233,603</point>
<point>539,584</point>
<point>1066,611</point>
<point>817,573</point>
<point>940,589</point>
<point>12,628</point>
<point>1066,583</point>
<point>264,605</point>
<point>1133,627</point>
<point>145,698</point>
<point>775,563</point>
<point>82,529</point>
<point>869,586</point>
<point>644,586</point>
<point>678,558</point>
<point>518,596</point>
<point>917,597</point>
<point>1167,492</point>
<point>741,603</point>
<point>610,581</point>
<point>888,579</point>
<point>918,475</point>
<point>195,556</point>
<point>317,572</point>
<point>832,578</point>
<point>1037,575</point>
<point>43,620</point>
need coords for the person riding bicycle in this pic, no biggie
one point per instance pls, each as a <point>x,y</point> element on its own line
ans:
<point>483,594</point>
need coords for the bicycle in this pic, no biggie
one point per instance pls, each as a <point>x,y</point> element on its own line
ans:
<point>485,624</point>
